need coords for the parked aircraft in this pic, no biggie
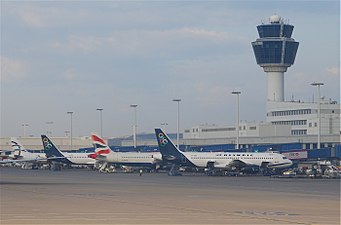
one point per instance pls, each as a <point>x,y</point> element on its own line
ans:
<point>59,158</point>
<point>105,155</point>
<point>19,152</point>
<point>27,160</point>
<point>217,160</point>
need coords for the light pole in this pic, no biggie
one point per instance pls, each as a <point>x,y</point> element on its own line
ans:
<point>178,100</point>
<point>318,84</point>
<point>237,93</point>
<point>134,126</point>
<point>24,125</point>
<point>70,112</point>
<point>48,128</point>
<point>101,121</point>
<point>164,126</point>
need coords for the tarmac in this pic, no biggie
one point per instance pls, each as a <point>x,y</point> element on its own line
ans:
<point>81,196</point>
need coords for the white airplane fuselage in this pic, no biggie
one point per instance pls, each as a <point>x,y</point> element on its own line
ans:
<point>25,155</point>
<point>132,158</point>
<point>223,160</point>
<point>218,160</point>
<point>79,158</point>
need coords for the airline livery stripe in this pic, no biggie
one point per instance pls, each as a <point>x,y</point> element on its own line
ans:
<point>106,151</point>
<point>100,140</point>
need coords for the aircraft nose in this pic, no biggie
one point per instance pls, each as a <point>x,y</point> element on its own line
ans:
<point>290,162</point>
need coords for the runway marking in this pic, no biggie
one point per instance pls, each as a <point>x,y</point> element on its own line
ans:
<point>267,213</point>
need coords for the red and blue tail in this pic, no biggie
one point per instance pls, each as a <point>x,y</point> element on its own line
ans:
<point>101,147</point>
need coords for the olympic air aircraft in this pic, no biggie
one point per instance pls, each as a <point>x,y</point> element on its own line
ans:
<point>57,156</point>
<point>104,154</point>
<point>218,160</point>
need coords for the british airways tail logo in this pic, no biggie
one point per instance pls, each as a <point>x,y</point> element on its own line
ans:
<point>162,139</point>
<point>100,145</point>
<point>97,139</point>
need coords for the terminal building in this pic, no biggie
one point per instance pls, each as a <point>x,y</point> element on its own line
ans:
<point>286,122</point>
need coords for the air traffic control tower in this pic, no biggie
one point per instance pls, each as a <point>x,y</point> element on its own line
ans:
<point>275,51</point>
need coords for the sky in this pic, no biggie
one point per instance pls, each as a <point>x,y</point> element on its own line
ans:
<point>60,56</point>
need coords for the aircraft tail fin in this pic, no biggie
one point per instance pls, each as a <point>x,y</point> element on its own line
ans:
<point>17,147</point>
<point>167,148</point>
<point>101,146</point>
<point>50,149</point>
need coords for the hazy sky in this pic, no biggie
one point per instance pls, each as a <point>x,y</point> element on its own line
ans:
<point>78,56</point>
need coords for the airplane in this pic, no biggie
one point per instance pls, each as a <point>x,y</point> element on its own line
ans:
<point>21,153</point>
<point>58,158</point>
<point>29,160</point>
<point>103,154</point>
<point>217,160</point>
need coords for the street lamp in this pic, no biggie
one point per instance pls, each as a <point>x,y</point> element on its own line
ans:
<point>48,128</point>
<point>318,84</point>
<point>24,125</point>
<point>164,126</point>
<point>101,121</point>
<point>134,126</point>
<point>237,93</point>
<point>178,121</point>
<point>70,112</point>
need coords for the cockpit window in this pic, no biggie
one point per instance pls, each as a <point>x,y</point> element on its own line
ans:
<point>285,157</point>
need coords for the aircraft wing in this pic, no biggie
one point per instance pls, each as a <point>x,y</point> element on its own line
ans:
<point>237,163</point>
<point>55,157</point>
<point>36,160</point>
<point>22,160</point>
